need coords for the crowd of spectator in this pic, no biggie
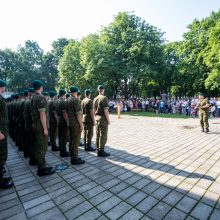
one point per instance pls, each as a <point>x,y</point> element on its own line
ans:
<point>182,106</point>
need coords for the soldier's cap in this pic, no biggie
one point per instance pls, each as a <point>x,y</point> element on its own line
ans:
<point>25,92</point>
<point>67,95</point>
<point>52,94</point>
<point>37,84</point>
<point>87,92</point>
<point>31,90</point>
<point>62,92</point>
<point>78,93</point>
<point>2,83</point>
<point>21,93</point>
<point>74,89</point>
<point>100,87</point>
<point>46,94</point>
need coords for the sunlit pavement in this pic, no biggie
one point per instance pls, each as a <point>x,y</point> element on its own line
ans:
<point>159,169</point>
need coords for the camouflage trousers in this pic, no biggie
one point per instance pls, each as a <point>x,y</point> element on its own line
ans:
<point>40,148</point>
<point>53,134</point>
<point>101,133</point>
<point>74,141</point>
<point>29,142</point>
<point>3,155</point>
<point>62,135</point>
<point>88,133</point>
<point>204,117</point>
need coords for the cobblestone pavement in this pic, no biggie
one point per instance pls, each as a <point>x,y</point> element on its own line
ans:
<point>159,169</point>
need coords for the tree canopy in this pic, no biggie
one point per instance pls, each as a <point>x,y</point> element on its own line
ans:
<point>129,57</point>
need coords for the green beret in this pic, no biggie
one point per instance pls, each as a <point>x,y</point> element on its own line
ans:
<point>2,83</point>
<point>52,94</point>
<point>78,93</point>
<point>62,92</point>
<point>87,92</point>
<point>100,87</point>
<point>46,94</point>
<point>37,84</point>
<point>26,92</point>
<point>31,90</point>
<point>74,89</point>
<point>67,95</point>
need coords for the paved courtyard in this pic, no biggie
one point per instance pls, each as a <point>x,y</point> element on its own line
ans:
<point>159,169</point>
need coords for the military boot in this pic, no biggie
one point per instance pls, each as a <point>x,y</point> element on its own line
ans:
<point>102,153</point>
<point>6,184</point>
<point>89,148</point>
<point>77,161</point>
<point>63,153</point>
<point>206,130</point>
<point>46,171</point>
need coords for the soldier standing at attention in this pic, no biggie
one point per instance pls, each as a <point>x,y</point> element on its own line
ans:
<point>62,123</point>
<point>88,120</point>
<point>53,121</point>
<point>5,182</point>
<point>29,129</point>
<point>203,107</point>
<point>22,120</point>
<point>102,121</point>
<point>40,126</point>
<point>74,112</point>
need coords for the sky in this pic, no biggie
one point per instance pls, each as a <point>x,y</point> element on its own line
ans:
<point>47,20</point>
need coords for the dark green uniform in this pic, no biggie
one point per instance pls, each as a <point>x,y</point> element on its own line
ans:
<point>87,106</point>
<point>62,125</point>
<point>52,123</point>
<point>39,104</point>
<point>4,130</point>
<point>29,132</point>
<point>73,108</point>
<point>100,104</point>
<point>204,113</point>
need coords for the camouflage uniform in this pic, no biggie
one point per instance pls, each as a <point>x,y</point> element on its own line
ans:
<point>87,106</point>
<point>62,125</point>
<point>30,146</point>
<point>100,104</point>
<point>39,104</point>
<point>4,129</point>
<point>73,108</point>
<point>52,123</point>
<point>203,113</point>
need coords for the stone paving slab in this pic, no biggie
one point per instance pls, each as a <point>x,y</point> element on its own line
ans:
<point>159,169</point>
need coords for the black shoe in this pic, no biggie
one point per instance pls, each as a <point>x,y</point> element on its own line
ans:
<point>202,130</point>
<point>55,148</point>
<point>6,185</point>
<point>46,171</point>
<point>206,130</point>
<point>64,154</point>
<point>103,154</point>
<point>77,161</point>
<point>89,148</point>
<point>32,163</point>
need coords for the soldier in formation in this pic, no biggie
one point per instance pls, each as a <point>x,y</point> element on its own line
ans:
<point>32,116</point>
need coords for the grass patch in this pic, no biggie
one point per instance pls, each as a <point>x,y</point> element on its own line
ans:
<point>151,114</point>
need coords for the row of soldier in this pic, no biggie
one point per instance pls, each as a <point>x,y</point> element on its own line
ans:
<point>32,116</point>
